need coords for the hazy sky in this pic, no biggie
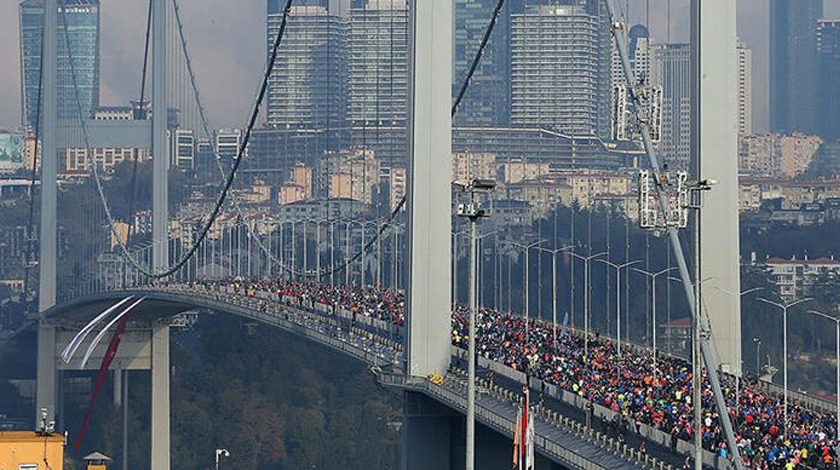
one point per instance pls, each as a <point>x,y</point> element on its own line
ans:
<point>227,43</point>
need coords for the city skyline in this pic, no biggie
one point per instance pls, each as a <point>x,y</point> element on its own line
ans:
<point>214,29</point>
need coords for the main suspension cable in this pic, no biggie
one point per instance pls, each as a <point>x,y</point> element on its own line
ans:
<point>228,183</point>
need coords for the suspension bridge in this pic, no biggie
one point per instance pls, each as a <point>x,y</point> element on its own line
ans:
<point>154,285</point>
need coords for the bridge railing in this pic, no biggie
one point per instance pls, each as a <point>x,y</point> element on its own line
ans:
<point>274,306</point>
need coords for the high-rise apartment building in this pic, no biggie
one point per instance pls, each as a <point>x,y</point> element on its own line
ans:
<point>745,114</point>
<point>672,70</point>
<point>640,57</point>
<point>623,117</point>
<point>794,65</point>
<point>487,101</point>
<point>559,75</point>
<point>307,88</point>
<point>183,148</point>
<point>227,143</point>
<point>378,63</point>
<point>828,44</point>
<point>80,40</point>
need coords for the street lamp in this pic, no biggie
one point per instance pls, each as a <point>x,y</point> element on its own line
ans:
<point>221,453</point>
<point>554,254</point>
<point>757,343</point>
<point>473,211</point>
<point>586,296</point>
<point>837,361</point>
<point>784,308</point>
<point>653,276</point>
<point>696,188</point>
<point>527,249</point>
<point>618,268</point>
<point>456,255</point>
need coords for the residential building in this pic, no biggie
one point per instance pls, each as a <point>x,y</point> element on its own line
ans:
<point>227,143</point>
<point>487,103</point>
<point>673,71</point>
<point>77,161</point>
<point>291,193</point>
<point>340,210</point>
<point>518,170</point>
<point>183,148</point>
<point>794,66</point>
<point>587,186</point>
<point>393,182</point>
<point>745,111</point>
<point>559,70</point>
<point>467,166</point>
<point>795,278</point>
<point>541,195</point>
<point>378,63</point>
<point>353,174</point>
<point>625,125</point>
<point>83,36</point>
<point>777,156</point>
<point>828,48</point>
<point>307,87</point>
<point>302,176</point>
<point>790,194</point>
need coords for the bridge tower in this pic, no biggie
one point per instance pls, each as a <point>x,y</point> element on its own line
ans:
<point>714,133</point>
<point>137,134</point>
<point>426,428</point>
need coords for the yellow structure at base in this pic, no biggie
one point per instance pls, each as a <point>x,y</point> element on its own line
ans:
<point>28,450</point>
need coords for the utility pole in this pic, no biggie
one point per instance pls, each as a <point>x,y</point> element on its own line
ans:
<point>472,211</point>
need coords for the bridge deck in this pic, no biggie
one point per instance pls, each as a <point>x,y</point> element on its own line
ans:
<point>560,439</point>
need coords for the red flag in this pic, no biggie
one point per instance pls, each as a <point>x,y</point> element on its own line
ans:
<point>523,425</point>
<point>100,379</point>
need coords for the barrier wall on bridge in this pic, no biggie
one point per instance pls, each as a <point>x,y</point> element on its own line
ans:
<point>604,413</point>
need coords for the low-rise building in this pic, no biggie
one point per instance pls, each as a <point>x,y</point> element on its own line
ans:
<point>777,156</point>
<point>28,450</point>
<point>795,278</point>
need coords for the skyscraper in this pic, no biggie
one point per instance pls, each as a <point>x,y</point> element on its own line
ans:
<point>745,126</point>
<point>559,75</point>
<point>81,20</point>
<point>307,88</point>
<point>673,71</point>
<point>794,99</point>
<point>378,63</point>
<point>828,43</point>
<point>487,102</point>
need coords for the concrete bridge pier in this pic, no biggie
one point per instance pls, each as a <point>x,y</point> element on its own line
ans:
<point>426,433</point>
<point>434,437</point>
<point>141,348</point>
<point>47,383</point>
<point>160,397</point>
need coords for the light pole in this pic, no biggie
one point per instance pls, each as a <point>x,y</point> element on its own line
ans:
<point>221,453</point>
<point>757,343</point>
<point>554,254</point>
<point>837,362</point>
<point>784,307</point>
<point>456,251</point>
<point>586,297</point>
<point>653,276</point>
<point>618,268</point>
<point>527,249</point>
<point>472,211</point>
